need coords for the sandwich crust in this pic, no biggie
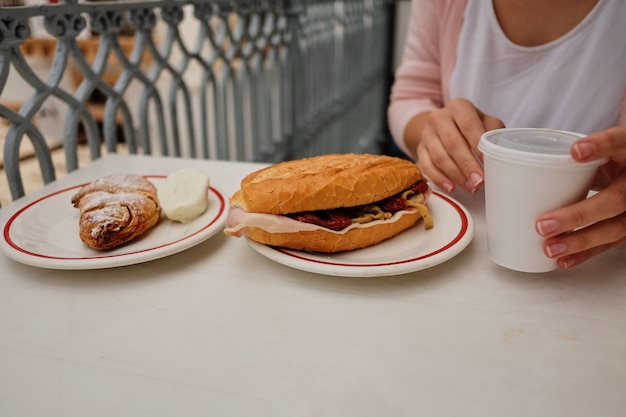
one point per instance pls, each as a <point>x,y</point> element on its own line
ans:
<point>319,183</point>
<point>327,241</point>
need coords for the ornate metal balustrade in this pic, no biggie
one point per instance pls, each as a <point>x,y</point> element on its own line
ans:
<point>231,79</point>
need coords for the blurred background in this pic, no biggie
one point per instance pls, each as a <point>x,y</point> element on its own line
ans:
<point>228,79</point>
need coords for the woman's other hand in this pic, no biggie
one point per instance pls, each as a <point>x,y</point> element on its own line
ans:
<point>447,144</point>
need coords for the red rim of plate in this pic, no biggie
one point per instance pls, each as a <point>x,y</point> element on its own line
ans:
<point>9,223</point>
<point>462,232</point>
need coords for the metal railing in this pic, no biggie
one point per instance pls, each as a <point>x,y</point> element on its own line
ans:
<point>230,79</point>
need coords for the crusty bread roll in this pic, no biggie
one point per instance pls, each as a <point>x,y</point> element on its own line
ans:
<point>327,241</point>
<point>379,195</point>
<point>326,182</point>
<point>116,209</point>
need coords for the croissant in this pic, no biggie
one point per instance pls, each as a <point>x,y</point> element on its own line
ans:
<point>116,209</point>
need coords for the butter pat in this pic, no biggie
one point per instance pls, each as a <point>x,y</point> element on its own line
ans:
<point>184,195</point>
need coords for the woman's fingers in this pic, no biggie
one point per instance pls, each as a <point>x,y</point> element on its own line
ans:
<point>598,224</point>
<point>434,174</point>
<point>568,261</point>
<point>582,230</point>
<point>448,150</point>
<point>609,143</point>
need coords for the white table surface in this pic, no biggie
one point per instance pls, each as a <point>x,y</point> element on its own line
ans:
<point>219,330</point>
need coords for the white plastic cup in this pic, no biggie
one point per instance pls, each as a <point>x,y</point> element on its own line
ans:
<point>528,172</point>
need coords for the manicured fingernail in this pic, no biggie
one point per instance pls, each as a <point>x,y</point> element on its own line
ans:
<point>474,182</point>
<point>566,263</point>
<point>448,186</point>
<point>556,249</point>
<point>476,179</point>
<point>584,150</point>
<point>546,227</point>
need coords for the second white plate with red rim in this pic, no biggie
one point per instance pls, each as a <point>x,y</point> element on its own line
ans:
<point>412,250</point>
<point>44,233</point>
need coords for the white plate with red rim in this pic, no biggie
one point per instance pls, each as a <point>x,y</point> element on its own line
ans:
<point>44,233</point>
<point>412,250</point>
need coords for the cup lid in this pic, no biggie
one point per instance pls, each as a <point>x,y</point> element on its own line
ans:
<point>532,146</point>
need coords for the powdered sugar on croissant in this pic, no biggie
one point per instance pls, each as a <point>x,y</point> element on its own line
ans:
<point>116,209</point>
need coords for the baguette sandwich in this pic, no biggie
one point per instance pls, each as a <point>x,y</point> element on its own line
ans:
<point>330,203</point>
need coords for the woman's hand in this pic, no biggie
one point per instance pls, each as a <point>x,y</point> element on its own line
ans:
<point>582,230</point>
<point>447,146</point>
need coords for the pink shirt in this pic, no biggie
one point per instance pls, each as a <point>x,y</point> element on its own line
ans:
<point>423,79</point>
